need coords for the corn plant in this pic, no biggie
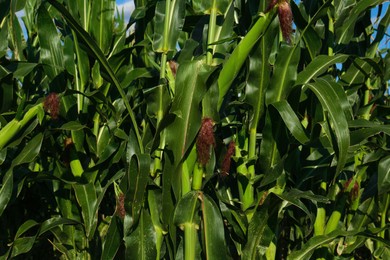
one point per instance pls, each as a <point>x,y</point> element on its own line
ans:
<point>195,129</point>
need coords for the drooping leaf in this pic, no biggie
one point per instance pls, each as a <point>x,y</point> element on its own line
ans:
<point>261,231</point>
<point>345,30</point>
<point>86,198</point>
<point>331,103</point>
<point>112,240</point>
<point>307,250</point>
<point>318,66</point>
<point>233,65</point>
<point>6,190</point>
<point>140,244</point>
<point>30,151</point>
<point>186,209</point>
<point>190,88</point>
<point>214,238</point>
<point>384,175</point>
<point>291,120</point>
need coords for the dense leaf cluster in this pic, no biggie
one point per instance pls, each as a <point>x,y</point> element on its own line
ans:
<point>198,129</point>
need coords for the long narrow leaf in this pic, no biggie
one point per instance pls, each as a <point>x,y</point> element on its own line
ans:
<point>240,53</point>
<point>97,52</point>
<point>330,103</point>
<point>214,238</point>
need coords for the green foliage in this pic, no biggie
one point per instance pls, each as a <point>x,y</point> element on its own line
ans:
<point>300,164</point>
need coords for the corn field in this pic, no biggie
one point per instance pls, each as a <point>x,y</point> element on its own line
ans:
<point>195,129</point>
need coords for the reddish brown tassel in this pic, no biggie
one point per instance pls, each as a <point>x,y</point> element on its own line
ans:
<point>285,19</point>
<point>120,206</point>
<point>225,167</point>
<point>52,105</point>
<point>205,141</point>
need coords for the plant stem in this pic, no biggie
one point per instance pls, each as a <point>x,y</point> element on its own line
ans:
<point>189,241</point>
<point>252,149</point>
<point>331,32</point>
<point>384,215</point>
<point>185,180</point>
<point>197,177</point>
<point>245,187</point>
<point>319,224</point>
<point>160,113</point>
<point>211,33</point>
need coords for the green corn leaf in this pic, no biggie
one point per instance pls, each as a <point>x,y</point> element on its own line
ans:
<point>169,20</point>
<point>72,126</point>
<point>260,73</point>
<point>205,6</point>
<point>384,175</point>
<point>190,89</point>
<point>22,245</point>
<point>6,190</point>
<point>261,231</point>
<point>284,74</point>
<point>101,23</point>
<point>233,65</point>
<point>185,211</point>
<point>345,30</point>
<point>51,50</point>
<point>55,222</point>
<point>310,37</point>
<point>112,240</point>
<point>318,66</point>
<point>141,244</point>
<point>86,198</point>
<point>30,151</point>
<point>138,176</point>
<point>25,227</point>
<point>291,121</point>
<point>331,103</point>
<point>307,250</point>
<point>214,237</point>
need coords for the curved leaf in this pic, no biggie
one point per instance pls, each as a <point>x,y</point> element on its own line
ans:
<point>112,240</point>
<point>6,190</point>
<point>384,175</point>
<point>233,65</point>
<point>344,31</point>
<point>86,197</point>
<point>190,89</point>
<point>214,237</point>
<point>141,243</point>
<point>291,120</point>
<point>30,151</point>
<point>284,74</point>
<point>97,52</point>
<point>331,103</point>
<point>186,208</point>
<point>308,248</point>
<point>318,66</point>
